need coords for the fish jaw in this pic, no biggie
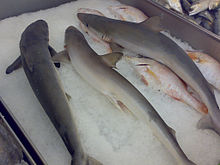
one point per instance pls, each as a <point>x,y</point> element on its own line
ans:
<point>199,7</point>
<point>127,13</point>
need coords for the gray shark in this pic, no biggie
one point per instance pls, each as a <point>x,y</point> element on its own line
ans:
<point>145,39</point>
<point>97,71</point>
<point>45,82</point>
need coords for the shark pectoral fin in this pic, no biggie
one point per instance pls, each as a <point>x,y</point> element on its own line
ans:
<point>172,131</point>
<point>53,53</point>
<point>205,123</point>
<point>92,161</point>
<point>111,59</point>
<point>14,66</point>
<point>68,96</point>
<point>61,57</point>
<point>153,23</point>
<point>116,47</point>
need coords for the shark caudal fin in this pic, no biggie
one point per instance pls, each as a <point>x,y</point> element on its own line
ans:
<point>14,66</point>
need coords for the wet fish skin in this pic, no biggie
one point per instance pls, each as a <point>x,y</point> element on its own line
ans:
<point>176,5</point>
<point>47,87</point>
<point>96,39</point>
<point>186,5</point>
<point>199,6</point>
<point>127,13</point>
<point>144,39</point>
<point>217,22</point>
<point>207,24</point>
<point>206,15</point>
<point>162,78</point>
<point>121,93</point>
<point>213,4</point>
<point>209,67</point>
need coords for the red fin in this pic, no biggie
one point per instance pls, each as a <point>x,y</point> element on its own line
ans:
<point>124,108</point>
<point>144,80</point>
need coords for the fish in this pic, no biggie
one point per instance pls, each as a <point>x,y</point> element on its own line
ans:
<point>186,5</point>
<point>217,22</point>
<point>127,13</point>
<point>145,39</point>
<point>199,6</point>
<point>206,15</point>
<point>92,68</point>
<point>214,4</point>
<point>163,79</point>
<point>10,150</point>
<point>209,67</point>
<point>207,24</point>
<point>43,78</point>
<point>95,39</point>
<point>176,5</point>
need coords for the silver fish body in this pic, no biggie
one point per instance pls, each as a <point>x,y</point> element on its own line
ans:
<point>217,22</point>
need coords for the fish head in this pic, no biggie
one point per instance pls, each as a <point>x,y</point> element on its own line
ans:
<point>99,25</point>
<point>36,32</point>
<point>73,36</point>
<point>214,4</point>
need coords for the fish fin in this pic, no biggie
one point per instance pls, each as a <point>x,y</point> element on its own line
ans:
<point>92,161</point>
<point>205,123</point>
<point>119,104</point>
<point>14,66</point>
<point>61,57</point>
<point>124,108</point>
<point>172,131</point>
<point>153,23</point>
<point>68,96</point>
<point>53,53</point>
<point>111,59</point>
<point>116,47</point>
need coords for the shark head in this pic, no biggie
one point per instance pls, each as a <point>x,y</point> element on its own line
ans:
<point>73,36</point>
<point>99,25</point>
<point>35,33</point>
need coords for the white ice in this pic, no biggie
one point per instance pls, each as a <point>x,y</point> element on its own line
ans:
<point>107,134</point>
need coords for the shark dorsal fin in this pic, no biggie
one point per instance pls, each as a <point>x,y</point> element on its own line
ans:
<point>172,131</point>
<point>153,23</point>
<point>61,57</point>
<point>111,59</point>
